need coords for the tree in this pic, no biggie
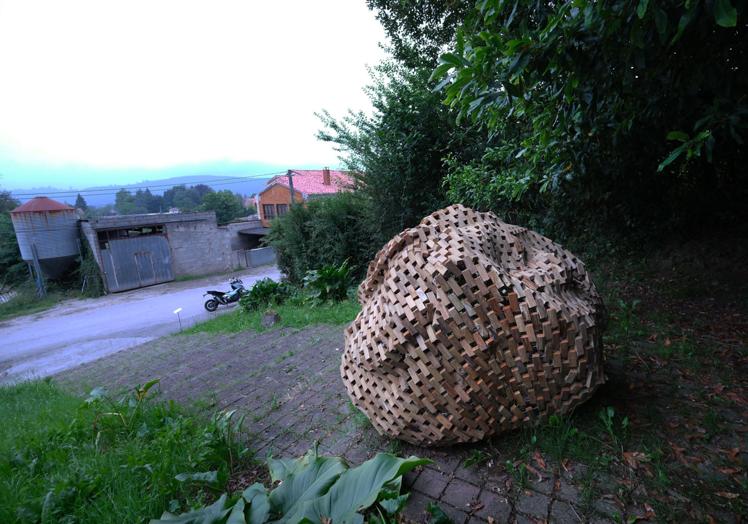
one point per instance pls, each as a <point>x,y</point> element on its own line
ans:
<point>633,110</point>
<point>327,231</point>
<point>398,152</point>
<point>12,268</point>
<point>419,30</point>
<point>80,203</point>
<point>7,202</point>
<point>124,203</point>
<point>226,204</point>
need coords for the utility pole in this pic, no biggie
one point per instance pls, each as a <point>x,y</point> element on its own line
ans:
<point>290,186</point>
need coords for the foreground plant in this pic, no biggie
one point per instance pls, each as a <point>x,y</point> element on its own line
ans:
<point>108,459</point>
<point>313,489</point>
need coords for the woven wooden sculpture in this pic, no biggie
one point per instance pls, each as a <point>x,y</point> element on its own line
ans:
<point>469,327</point>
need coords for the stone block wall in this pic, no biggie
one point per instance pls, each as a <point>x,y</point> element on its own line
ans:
<point>199,247</point>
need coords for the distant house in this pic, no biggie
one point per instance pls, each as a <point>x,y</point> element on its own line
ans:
<point>274,200</point>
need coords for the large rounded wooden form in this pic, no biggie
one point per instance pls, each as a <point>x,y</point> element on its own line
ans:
<point>470,327</point>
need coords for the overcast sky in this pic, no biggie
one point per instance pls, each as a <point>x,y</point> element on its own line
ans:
<point>91,87</point>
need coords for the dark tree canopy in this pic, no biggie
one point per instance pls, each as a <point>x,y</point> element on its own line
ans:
<point>419,30</point>
<point>399,150</point>
<point>634,108</point>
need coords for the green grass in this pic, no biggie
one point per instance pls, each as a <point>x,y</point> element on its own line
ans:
<point>63,459</point>
<point>291,315</point>
<point>27,303</point>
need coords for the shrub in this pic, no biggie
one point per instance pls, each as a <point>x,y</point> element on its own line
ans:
<point>314,489</point>
<point>265,292</point>
<point>327,231</point>
<point>328,283</point>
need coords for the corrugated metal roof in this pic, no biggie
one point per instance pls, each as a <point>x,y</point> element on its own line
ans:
<point>41,204</point>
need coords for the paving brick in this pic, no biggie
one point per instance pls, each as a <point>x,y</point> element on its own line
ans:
<point>431,483</point>
<point>533,504</point>
<point>494,506</point>
<point>415,509</point>
<point>459,494</point>
<point>544,486</point>
<point>409,479</point>
<point>456,515</point>
<point>567,491</point>
<point>563,513</point>
<point>470,474</point>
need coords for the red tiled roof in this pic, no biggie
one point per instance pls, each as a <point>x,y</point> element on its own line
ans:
<point>310,181</point>
<point>41,204</point>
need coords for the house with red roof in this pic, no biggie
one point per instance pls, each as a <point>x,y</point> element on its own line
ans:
<point>275,199</point>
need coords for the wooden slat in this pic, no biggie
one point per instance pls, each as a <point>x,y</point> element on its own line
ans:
<point>438,355</point>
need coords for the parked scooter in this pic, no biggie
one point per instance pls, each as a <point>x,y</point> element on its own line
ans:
<point>225,298</point>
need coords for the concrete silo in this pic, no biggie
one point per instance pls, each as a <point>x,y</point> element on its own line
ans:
<point>49,230</point>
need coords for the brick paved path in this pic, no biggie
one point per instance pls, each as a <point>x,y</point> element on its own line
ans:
<point>288,384</point>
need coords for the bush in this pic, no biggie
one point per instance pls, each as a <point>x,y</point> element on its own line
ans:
<point>265,292</point>
<point>328,283</point>
<point>327,231</point>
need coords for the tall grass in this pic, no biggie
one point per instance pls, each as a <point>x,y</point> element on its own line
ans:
<point>63,459</point>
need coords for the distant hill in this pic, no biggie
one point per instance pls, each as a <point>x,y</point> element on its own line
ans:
<point>103,195</point>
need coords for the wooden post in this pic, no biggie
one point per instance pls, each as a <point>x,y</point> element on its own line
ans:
<point>290,186</point>
<point>41,290</point>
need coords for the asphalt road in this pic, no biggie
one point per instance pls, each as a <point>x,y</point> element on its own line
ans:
<point>79,331</point>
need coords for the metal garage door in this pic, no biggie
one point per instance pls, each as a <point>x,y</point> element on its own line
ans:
<point>130,263</point>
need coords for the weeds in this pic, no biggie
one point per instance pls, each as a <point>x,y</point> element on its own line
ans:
<point>617,432</point>
<point>476,458</point>
<point>104,459</point>
<point>359,417</point>
<point>518,473</point>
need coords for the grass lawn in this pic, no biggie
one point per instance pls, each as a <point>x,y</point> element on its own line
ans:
<point>65,459</point>
<point>26,303</point>
<point>291,315</point>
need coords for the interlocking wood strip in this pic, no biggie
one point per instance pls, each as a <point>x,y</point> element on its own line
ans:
<point>470,327</point>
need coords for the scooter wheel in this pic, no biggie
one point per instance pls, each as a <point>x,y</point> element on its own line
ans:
<point>211,305</point>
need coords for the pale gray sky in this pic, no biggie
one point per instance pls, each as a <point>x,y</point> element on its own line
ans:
<point>160,83</point>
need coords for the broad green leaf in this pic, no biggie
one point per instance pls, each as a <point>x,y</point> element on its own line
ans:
<point>641,9</point>
<point>237,514</point>
<point>256,496</point>
<point>392,506</point>
<point>725,14</point>
<point>677,135</point>
<point>213,514</point>
<point>306,483</point>
<point>356,490</point>
<point>211,477</point>
<point>675,153</point>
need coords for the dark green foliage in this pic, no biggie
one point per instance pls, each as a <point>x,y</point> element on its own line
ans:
<point>626,113</point>
<point>12,269</point>
<point>91,283</point>
<point>227,205</point>
<point>80,203</point>
<point>327,231</point>
<point>106,459</point>
<point>418,30</point>
<point>328,283</point>
<point>184,198</point>
<point>265,293</point>
<point>399,150</point>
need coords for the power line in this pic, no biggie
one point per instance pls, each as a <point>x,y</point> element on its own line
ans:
<point>109,191</point>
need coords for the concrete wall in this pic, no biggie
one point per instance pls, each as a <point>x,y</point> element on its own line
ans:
<point>199,247</point>
<point>261,257</point>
